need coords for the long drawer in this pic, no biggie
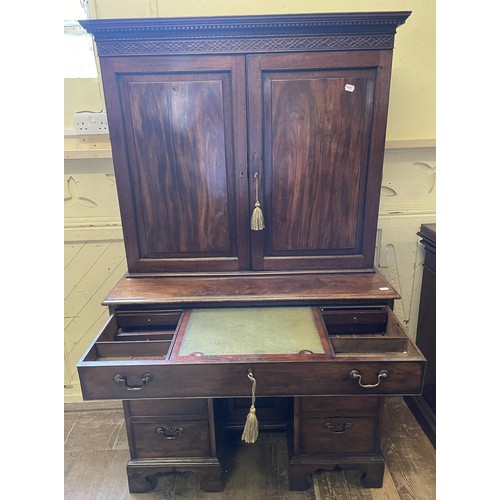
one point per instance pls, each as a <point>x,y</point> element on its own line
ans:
<point>306,351</point>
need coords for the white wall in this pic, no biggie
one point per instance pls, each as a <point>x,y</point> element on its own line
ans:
<point>408,200</point>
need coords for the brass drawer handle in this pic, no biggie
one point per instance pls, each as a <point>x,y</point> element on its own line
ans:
<point>338,427</point>
<point>121,379</point>
<point>167,433</point>
<point>382,374</point>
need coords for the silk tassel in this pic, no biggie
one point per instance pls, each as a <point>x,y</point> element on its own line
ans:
<point>257,219</point>
<point>251,429</point>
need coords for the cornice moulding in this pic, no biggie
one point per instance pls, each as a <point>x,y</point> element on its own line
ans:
<point>332,22</point>
<point>373,30</point>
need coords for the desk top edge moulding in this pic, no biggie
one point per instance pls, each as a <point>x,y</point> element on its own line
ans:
<point>248,155</point>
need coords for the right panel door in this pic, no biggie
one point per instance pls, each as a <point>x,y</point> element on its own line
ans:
<point>316,138</point>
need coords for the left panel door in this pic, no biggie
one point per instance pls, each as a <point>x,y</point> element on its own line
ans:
<point>178,132</point>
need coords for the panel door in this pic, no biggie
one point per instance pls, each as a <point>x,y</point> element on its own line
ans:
<point>178,132</point>
<point>317,129</point>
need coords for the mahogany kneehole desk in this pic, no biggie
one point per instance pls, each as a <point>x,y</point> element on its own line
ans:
<point>177,366</point>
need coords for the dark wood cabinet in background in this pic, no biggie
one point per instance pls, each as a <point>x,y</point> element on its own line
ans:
<point>207,116</point>
<point>424,406</point>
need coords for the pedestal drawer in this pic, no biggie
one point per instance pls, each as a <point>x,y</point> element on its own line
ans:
<point>157,438</point>
<point>161,407</point>
<point>339,405</point>
<point>337,435</point>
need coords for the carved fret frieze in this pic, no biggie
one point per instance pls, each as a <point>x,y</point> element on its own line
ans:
<point>241,45</point>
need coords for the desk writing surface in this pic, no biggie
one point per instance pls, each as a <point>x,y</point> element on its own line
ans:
<point>261,330</point>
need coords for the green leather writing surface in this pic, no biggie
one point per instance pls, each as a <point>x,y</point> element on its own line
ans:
<point>261,330</point>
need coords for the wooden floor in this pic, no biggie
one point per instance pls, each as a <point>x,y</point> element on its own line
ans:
<point>96,454</point>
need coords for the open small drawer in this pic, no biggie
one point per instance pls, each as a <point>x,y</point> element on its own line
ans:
<point>209,352</point>
<point>366,331</point>
<point>132,336</point>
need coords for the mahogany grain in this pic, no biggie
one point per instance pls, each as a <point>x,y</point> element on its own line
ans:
<point>207,116</point>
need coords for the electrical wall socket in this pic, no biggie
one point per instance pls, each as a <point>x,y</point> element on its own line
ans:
<point>91,123</point>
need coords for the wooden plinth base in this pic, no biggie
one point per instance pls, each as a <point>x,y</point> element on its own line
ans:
<point>143,473</point>
<point>301,468</point>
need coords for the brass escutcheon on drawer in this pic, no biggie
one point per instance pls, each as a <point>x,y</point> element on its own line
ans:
<point>338,427</point>
<point>169,432</point>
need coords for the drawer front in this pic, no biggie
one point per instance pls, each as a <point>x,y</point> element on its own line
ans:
<point>377,363</point>
<point>170,407</point>
<point>338,435</point>
<point>170,438</point>
<point>338,405</point>
<point>272,412</point>
<point>231,380</point>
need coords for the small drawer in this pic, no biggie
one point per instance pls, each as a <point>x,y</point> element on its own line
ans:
<point>338,435</point>
<point>365,331</point>
<point>359,321</point>
<point>171,407</point>
<point>129,336</point>
<point>157,438</point>
<point>338,405</point>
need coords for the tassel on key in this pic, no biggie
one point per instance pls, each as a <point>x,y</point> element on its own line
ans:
<point>257,219</point>
<point>251,430</point>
